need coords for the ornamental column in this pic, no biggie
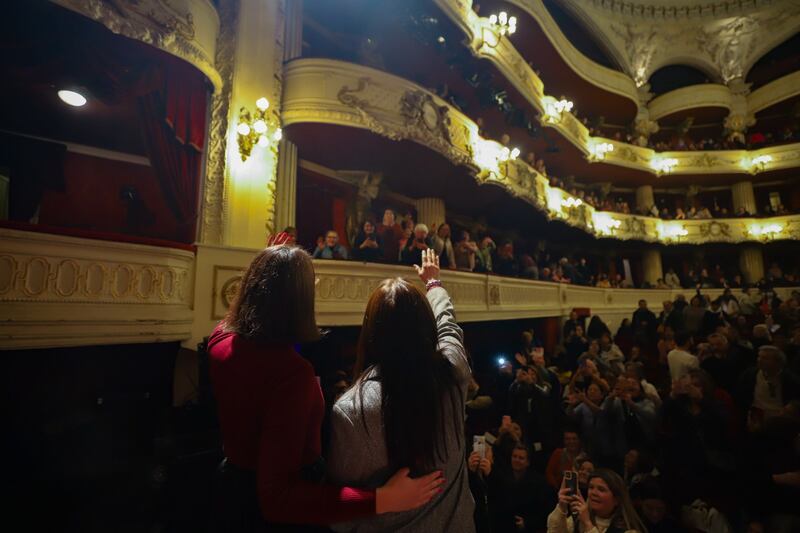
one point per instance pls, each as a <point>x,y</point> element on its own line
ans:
<point>751,263</point>
<point>430,211</point>
<point>250,181</point>
<point>645,199</point>
<point>743,196</point>
<point>286,186</point>
<point>651,265</point>
<point>286,183</point>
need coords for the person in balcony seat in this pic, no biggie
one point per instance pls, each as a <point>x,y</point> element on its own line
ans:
<point>330,249</point>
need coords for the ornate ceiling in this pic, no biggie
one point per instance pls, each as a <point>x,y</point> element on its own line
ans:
<point>721,38</point>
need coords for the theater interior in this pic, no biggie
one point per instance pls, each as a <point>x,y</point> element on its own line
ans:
<point>565,159</point>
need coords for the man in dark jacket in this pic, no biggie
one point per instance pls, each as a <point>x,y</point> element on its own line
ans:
<point>644,324</point>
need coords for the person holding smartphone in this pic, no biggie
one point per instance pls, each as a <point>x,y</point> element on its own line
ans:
<point>607,508</point>
<point>407,403</point>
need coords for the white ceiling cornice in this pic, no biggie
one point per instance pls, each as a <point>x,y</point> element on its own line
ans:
<point>723,42</point>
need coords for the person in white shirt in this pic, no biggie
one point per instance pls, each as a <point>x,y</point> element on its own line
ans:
<point>672,279</point>
<point>680,360</point>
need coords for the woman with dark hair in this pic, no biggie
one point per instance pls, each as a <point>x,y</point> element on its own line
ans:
<point>368,246</point>
<point>406,406</point>
<point>271,408</point>
<point>608,507</point>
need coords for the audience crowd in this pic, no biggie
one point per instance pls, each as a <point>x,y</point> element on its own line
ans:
<point>684,419</point>
<point>403,241</point>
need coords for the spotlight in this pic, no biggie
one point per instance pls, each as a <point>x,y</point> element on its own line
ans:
<point>72,98</point>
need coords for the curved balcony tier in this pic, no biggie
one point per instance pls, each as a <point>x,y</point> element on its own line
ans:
<point>486,43</point>
<point>323,91</point>
<point>187,29</point>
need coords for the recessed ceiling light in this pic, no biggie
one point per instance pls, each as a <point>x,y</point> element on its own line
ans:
<point>72,98</point>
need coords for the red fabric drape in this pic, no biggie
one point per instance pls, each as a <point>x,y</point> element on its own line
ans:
<point>173,119</point>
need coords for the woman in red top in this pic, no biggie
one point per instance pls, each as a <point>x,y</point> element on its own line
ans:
<point>271,406</point>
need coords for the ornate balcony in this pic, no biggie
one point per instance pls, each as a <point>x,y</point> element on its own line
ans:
<point>334,92</point>
<point>66,291</point>
<point>499,50</point>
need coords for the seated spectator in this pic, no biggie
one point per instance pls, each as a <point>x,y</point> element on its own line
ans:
<point>608,507</point>
<point>563,459</point>
<point>672,280</point>
<point>505,263</point>
<point>330,248</point>
<point>679,214</point>
<point>635,370</point>
<point>412,252</point>
<point>654,508</point>
<point>444,247</point>
<point>766,390</point>
<point>611,355</point>
<point>367,246</point>
<point>465,252</point>
<point>483,258</point>
<point>603,282</point>
<point>584,466</point>
<point>529,269</point>
<point>519,500</point>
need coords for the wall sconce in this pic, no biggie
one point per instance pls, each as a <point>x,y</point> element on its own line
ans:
<point>757,164</point>
<point>508,153</point>
<point>554,108</point>
<point>598,151</point>
<point>664,166</point>
<point>503,24</point>
<point>257,128</point>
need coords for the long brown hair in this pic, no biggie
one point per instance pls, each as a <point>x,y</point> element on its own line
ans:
<point>275,302</point>
<point>399,342</point>
<point>625,516</point>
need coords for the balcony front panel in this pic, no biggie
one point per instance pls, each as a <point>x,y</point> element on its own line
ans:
<point>67,291</point>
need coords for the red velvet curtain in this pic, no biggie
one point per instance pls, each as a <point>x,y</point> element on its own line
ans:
<point>173,117</point>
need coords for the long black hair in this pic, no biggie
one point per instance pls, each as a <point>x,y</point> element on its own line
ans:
<point>399,342</point>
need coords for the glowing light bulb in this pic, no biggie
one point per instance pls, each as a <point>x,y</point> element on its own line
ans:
<point>260,126</point>
<point>263,141</point>
<point>72,98</point>
<point>262,103</point>
<point>243,129</point>
<point>503,18</point>
<point>515,153</point>
<point>493,19</point>
<point>278,135</point>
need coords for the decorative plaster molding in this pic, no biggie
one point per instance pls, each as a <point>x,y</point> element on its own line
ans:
<point>58,291</point>
<point>213,206</point>
<point>334,92</point>
<point>504,56</point>
<point>184,28</point>
<point>703,95</point>
<point>776,91</point>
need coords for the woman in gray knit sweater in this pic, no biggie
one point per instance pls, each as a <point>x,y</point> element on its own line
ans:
<point>406,407</point>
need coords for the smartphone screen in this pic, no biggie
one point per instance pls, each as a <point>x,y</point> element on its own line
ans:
<point>571,481</point>
<point>479,445</point>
